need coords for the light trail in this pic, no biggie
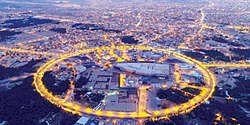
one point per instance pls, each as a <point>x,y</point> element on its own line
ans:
<point>177,74</point>
<point>122,77</point>
<point>243,28</point>
<point>70,92</point>
<point>186,93</point>
<point>142,104</point>
<point>187,85</point>
<point>243,65</point>
<point>105,37</point>
<point>112,53</point>
<point>140,20</point>
<point>158,36</point>
<point>77,108</point>
<point>203,26</point>
<point>188,40</point>
<point>163,58</point>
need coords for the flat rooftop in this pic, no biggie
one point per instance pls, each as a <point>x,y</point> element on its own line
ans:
<point>145,68</point>
<point>122,107</point>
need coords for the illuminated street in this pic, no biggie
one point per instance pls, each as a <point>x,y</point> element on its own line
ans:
<point>75,108</point>
<point>124,62</point>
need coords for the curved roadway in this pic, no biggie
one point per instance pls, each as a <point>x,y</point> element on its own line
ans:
<point>76,108</point>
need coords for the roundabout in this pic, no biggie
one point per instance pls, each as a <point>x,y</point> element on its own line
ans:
<point>76,108</point>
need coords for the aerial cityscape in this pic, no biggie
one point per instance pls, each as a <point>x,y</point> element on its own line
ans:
<point>124,62</point>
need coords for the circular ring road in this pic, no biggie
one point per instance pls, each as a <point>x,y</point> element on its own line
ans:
<point>76,108</point>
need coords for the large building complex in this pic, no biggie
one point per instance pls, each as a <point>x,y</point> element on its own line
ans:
<point>151,69</point>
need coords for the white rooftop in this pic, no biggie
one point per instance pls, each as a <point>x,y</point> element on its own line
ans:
<point>145,68</point>
<point>82,121</point>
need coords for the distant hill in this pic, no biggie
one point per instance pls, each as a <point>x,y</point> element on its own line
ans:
<point>84,1</point>
<point>53,1</point>
<point>170,1</point>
